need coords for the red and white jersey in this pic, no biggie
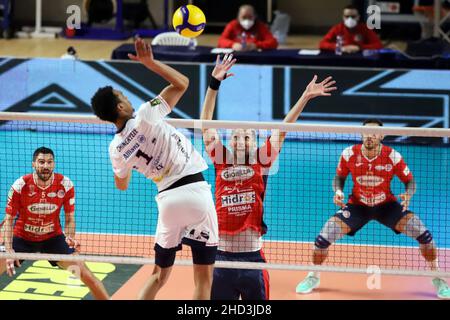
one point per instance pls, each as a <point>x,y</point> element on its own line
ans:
<point>38,209</point>
<point>372,178</point>
<point>240,191</point>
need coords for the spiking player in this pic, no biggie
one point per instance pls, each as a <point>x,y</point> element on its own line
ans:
<point>154,148</point>
<point>241,178</point>
<point>373,166</point>
<point>35,202</point>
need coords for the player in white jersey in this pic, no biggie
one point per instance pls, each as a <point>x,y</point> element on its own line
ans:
<point>151,146</point>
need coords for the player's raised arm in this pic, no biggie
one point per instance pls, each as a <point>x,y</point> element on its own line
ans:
<point>313,90</point>
<point>210,136</point>
<point>178,82</point>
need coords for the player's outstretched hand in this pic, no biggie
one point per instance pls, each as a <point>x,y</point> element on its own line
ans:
<point>144,52</point>
<point>406,198</point>
<point>222,67</point>
<point>320,89</point>
<point>338,199</point>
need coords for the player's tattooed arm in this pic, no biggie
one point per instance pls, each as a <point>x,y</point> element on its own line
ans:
<point>411,187</point>
<point>338,187</point>
<point>338,183</point>
<point>409,192</point>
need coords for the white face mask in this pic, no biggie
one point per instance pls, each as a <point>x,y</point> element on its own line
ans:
<point>247,23</point>
<point>350,22</point>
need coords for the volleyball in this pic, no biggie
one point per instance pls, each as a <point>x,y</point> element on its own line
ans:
<point>189,21</point>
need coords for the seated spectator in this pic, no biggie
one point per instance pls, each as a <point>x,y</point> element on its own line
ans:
<point>247,33</point>
<point>356,35</point>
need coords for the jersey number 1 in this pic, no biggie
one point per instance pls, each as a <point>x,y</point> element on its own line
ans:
<point>144,155</point>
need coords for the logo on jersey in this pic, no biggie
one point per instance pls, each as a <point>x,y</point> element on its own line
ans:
<point>386,168</point>
<point>373,201</point>
<point>237,173</point>
<point>39,229</point>
<point>180,146</point>
<point>406,171</point>
<point>42,208</point>
<point>141,138</point>
<point>199,236</point>
<point>369,181</point>
<point>61,194</point>
<point>31,193</point>
<point>238,199</point>
<point>155,102</point>
<point>51,195</point>
<point>127,140</point>
<point>130,152</point>
<point>346,214</point>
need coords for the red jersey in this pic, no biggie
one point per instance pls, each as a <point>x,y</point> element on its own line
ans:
<point>372,178</point>
<point>259,34</point>
<point>361,36</point>
<point>240,191</point>
<point>38,208</point>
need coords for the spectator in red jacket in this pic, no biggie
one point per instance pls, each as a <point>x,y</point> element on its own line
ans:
<point>247,33</point>
<point>356,35</point>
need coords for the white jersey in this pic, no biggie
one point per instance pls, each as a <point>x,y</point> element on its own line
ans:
<point>154,148</point>
<point>248,240</point>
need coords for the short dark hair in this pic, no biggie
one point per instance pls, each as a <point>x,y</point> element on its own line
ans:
<point>42,150</point>
<point>104,102</point>
<point>351,7</point>
<point>376,121</point>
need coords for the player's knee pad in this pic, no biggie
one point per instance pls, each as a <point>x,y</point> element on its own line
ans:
<point>425,238</point>
<point>322,243</point>
<point>415,229</point>
<point>165,258</point>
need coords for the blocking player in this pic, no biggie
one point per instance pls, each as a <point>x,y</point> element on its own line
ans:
<point>34,202</point>
<point>373,166</point>
<point>149,145</point>
<point>241,179</point>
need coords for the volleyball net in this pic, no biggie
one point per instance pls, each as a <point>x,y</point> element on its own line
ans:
<point>119,227</point>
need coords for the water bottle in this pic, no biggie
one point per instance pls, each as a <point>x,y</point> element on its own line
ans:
<point>280,26</point>
<point>339,42</point>
<point>243,40</point>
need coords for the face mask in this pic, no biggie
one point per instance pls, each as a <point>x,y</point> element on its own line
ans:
<point>247,23</point>
<point>350,22</point>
